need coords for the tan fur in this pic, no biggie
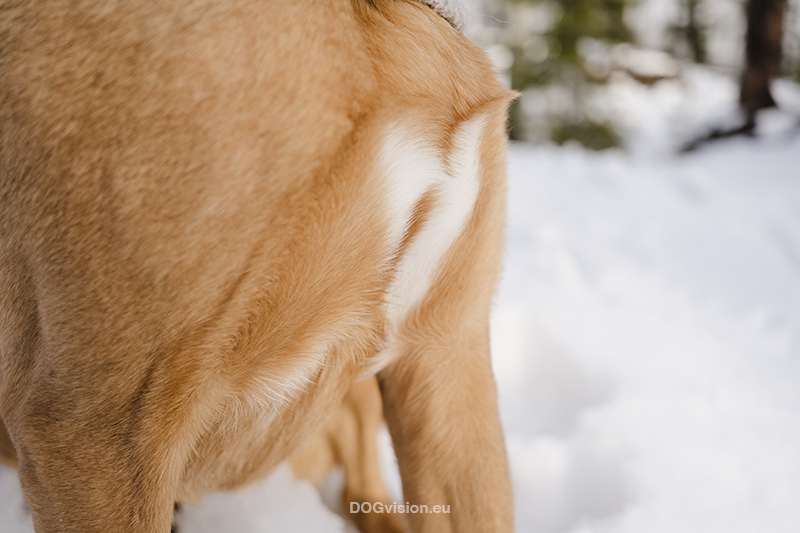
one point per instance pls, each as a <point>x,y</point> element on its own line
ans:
<point>189,229</point>
<point>350,439</point>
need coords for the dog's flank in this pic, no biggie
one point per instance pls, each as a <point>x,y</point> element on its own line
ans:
<point>213,219</point>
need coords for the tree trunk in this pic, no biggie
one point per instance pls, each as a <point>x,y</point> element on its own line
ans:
<point>695,33</point>
<point>763,54</point>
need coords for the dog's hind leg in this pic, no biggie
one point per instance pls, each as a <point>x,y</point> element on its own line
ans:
<point>354,438</point>
<point>349,439</point>
<point>439,392</point>
<point>8,454</point>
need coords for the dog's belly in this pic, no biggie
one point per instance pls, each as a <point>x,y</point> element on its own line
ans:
<point>254,433</point>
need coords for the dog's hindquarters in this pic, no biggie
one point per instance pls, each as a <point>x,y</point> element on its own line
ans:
<point>219,216</point>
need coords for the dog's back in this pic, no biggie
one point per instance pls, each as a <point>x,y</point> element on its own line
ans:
<point>213,218</point>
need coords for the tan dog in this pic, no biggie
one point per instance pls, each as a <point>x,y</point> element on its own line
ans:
<point>214,218</point>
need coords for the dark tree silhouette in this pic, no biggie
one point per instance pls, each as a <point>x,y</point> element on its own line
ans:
<point>691,31</point>
<point>763,53</point>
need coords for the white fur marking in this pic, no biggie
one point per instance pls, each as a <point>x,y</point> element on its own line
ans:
<point>411,170</point>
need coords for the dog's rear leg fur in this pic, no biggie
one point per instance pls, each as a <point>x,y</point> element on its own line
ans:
<point>349,438</point>
<point>7,453</point>
<point>439,395</point>
<point>357,427</point>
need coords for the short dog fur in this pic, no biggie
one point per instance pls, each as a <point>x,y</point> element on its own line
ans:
<point>215,217</point>
<point>349,439</point>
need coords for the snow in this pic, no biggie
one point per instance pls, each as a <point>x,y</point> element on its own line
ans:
<point>281,503</point>
<point>647,340</point>
<point>646,334</point>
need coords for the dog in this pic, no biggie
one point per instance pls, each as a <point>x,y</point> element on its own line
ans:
<point>215,218</point>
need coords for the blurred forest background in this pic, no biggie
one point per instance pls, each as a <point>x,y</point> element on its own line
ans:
<point>565,57</point>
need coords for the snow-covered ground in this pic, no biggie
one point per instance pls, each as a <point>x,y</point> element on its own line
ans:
<point>646,334</point>
<point>648,340</point>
